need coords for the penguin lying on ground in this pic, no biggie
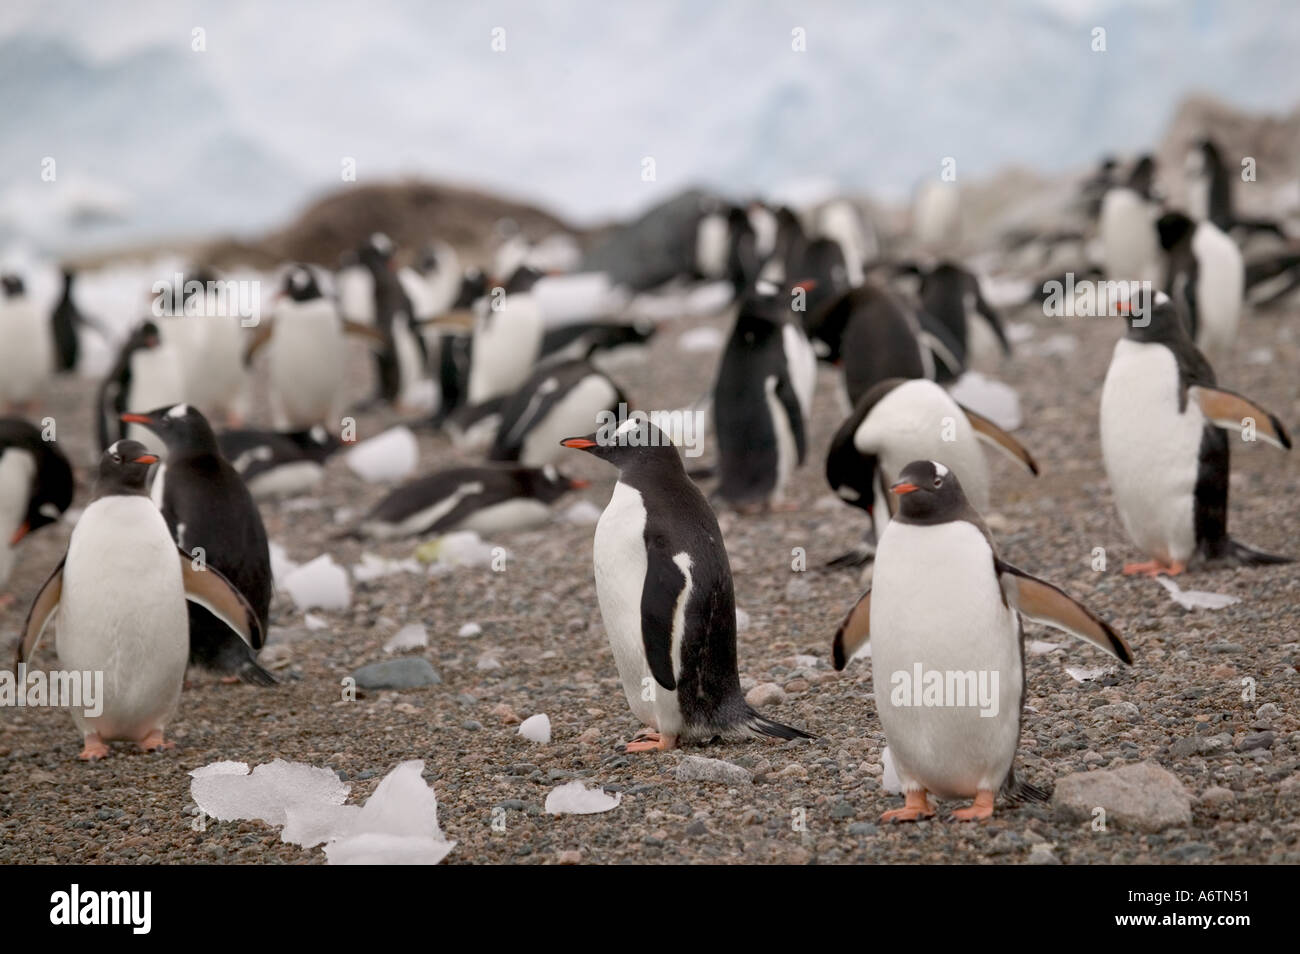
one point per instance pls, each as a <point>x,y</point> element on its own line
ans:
<point>899,421</point>
<point>27,358</point>
<point>604,343</point>
<point>1165,448</point>
<point>1204,271</point>
<point>943,618</point>
<point>120,593</point>
<point>145,375</point>
<point>212,517</point>
<point>487,499</point>
<point>36,487</point>
<point>666,597</point>
<point>279,463</point>
<point>762,399</point>
<point>557,400</point>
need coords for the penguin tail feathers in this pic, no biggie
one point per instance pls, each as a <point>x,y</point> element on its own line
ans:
<point>254,675</point>
<point>761,726</point>
<point>1249,556</point>
<point>1018,790</point>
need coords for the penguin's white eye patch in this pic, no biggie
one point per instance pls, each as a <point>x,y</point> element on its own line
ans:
<point>549,472</point>
<point>49,510</point>
<point>939,469</point>
<point>179,411</point>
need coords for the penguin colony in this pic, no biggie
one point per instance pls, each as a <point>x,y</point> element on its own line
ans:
<point>168,564</point>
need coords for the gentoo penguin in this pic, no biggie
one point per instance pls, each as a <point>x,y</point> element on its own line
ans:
<point>507,338</point>
<point>951,294</point>
<point>943,618</point>
<point>27,358</point>
<point>822,267</point>
<point>841,222</point>
<point>762,399</point>
<point>120,593</point>
<point>145,375</point>
<point>36,486</point>
<point>490,499</point>
<point>1165,448</point>
<point>1205,272</point>
<point>1209,193</point>
<point>606,344</point>
<point>1271,278</point>
<point>1092,191</point>
<point>936,213</point>
<point>899,421</point>
<point>65,322</point>
<point>454,349</point>
<point>212,517</point>
<point>279,463</point>
<point>400,366</point>
<point>1130,246</point>
<point>666,597</point>
<point>208,334</point>
<point>557,400</point>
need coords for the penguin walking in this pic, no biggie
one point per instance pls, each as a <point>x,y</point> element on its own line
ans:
<point>507,338</point>
<point>1165,447</point>
<point>1205,271</point>
<point>1209,194</point>
<point>119,597</point>
<point>36,487</point>
<point>1127,227</point>
<point>762,400</point>
<point>65,323</point>
<point>400,366</point>
<point>951,294</point>
<point>279,463</point>
<point>899,421</point>
<point>454,348</point>
<point>557,400</point>
<point>491,499</point>
<point>27,358</point>
<point>666,597</point>
<point>943,619</point>
<point>145,375</point>
<point>213,518</point>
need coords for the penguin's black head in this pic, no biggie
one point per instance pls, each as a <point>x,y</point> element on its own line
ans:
<point>145,335</point>
<point>851,473</point>
<point>316,443</point>
<point>300,283</point>
<point>13,285</point>
<point>124,469</point>
<point>182,427</point>
<point>637,442</point>
<point>523,279</point>
<point>51,496</point>
<point>549,485</point>
<point>377,251</point>
<point>1165,322</point>
<point>929,492</point>
<point>1143,177</point>
<point>473,286</point>
<point>1174,229</point>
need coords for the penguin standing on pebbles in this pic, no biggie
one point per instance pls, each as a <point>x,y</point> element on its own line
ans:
<point>27,356</point>
<point>212,517</point>
<point>943,618</point>
<point>120,593</point>
<point>36,487</point>
<point>1205,271</point>
<point>1165,447</point>
<point>666,597</point>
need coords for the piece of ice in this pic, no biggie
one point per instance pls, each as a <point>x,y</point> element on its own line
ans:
<point>1085,674</point>
<point>410,636</point>
<point>393,455</point>
<point>536,728</point>
<point>225,793</point>
<point>462,548</point>
<point>312,621</point>
<point>890,783</point>
<point>1196,599</point>
<point>397,825</point>
<point>1040,648</point>
<point>701,339</point>
<point>582,513</point>
<point>989,397</point>
<point>372,567</point>
<point>469,631</point>
<point>742,620</point>
<point>312,825</point>
<point>574,798</point>
<point>376,849</point>
<point>320,584</point>
<point>281,565</point>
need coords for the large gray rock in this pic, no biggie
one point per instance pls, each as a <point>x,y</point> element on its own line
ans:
<point>409,672</point>
<point>694,768</point>
<point>1144,797</point>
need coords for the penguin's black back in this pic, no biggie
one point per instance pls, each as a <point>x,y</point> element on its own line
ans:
<point>868,331</point>
<point>747,435</point>
<point>64,327</point>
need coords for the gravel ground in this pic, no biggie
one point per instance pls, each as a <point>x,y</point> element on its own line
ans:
<point>1180,706</point>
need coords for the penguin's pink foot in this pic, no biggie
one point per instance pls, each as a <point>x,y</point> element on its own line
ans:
<point>1152,568</point>
<point>93,748</point>
<point>916,806</point>
<point>154,742</point>
<point>978,810</point>
<point>229,680</point>
<point>651,742</point>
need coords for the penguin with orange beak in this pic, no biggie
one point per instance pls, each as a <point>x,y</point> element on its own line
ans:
<point>36,488</point>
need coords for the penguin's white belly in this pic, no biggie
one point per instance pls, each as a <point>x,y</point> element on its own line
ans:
<point>1151,450</point>
<point>620,560</point>
<point>508,516</point>
<point>123,613</point>
<point>787,451</point>
<point>306,368</point>
<point>1130,244</point>
<point>506,344</point>
<point>936,604</point>
<point>155,382</point>
<point>575,413</point>
<point>1220,288</point>
<point>982,345</point>
<point>711,242</point>
<point>17,470</point>
<point>410,362</point>
<point>802,362</point>
<point>27,355</point>
<point>355,287</point>
<point>217,381</point>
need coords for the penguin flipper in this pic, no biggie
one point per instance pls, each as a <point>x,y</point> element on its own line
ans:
<point>794,411</point>
<point>210,589</point>
<point>1229,411</point>
<point>935,339</point>
<point>38,617</point>
<point>372,336</point>
<point>1044,603</point>
<point>991,317</point>
<point>853,632</point>
<point>995,436</point>
<point>665,585</point>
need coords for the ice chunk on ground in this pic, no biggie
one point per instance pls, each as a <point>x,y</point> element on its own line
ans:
<point>702,339</point>
<point>312,825</point>
<point>889,780</point>
<point>372,849</point>
<point>393,455</point>
<point>410,636</point>
<point>312,621</point>
<point>742,620</point>
<point>582,513</point>
<point>281,565</point>
<point>1040,648</point>
<point>984,395</point>
<point>462,548</point>
<point>1196,599</point>
<point>574,798</point>
<point>372,567</point>
<point>1087,674</point>
<point>397,825</point>
<point>227,794</point>
<point>536,728</point>
<point>320,584</point>
<point>469,631</point>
